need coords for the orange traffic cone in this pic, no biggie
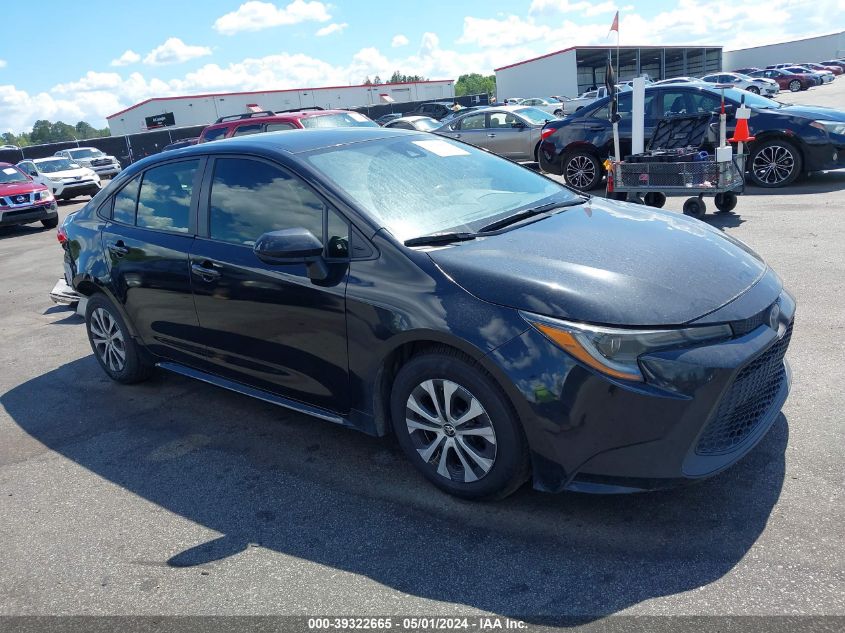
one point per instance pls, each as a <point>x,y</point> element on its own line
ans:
<point>741,133</point>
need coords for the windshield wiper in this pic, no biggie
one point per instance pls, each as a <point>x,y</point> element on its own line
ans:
<point>439,238</point>
<point>528,213</point>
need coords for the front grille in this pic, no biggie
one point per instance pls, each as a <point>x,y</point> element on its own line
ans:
<point>12,214</point>
<point>23,198</point>
<point>746,401</point>
<point>100,162</point>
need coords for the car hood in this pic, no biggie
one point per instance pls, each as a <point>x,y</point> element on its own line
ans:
<point>607,262</point>
<point>812,112</point>
<point>15,188</point>
<point>68,173</point>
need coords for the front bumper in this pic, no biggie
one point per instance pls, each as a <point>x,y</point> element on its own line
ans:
<point>701,410</point>
<point>105,170</point>
<point>30,213</point>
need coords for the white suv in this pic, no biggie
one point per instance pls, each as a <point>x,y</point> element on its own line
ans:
<point>62,176</point>
<point>100,162</point>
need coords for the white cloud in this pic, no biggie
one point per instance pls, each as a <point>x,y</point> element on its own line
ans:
<point>128,57</point>
<point>256,16</point>
<point>3,63</point>
<point>175,51</point>
<point>91,81</point>
<point>331,28</point>
<point>399,40</point>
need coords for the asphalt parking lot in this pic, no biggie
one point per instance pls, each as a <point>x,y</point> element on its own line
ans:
<point>175,497</point>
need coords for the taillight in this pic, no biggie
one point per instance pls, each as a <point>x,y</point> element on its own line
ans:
<point>61,234</point>
<point>547,133</point>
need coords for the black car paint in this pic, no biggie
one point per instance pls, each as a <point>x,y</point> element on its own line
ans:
<point>583,131</point>
<point>586,431</point>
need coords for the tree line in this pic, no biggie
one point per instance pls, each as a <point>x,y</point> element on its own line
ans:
<point>48,132</point>
<point>471,84</point>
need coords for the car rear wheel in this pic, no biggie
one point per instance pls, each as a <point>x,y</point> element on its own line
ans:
<point>113,345</point>
<point>581,170</point>
<point>558,113</point>
<point>754,89</point>
<point>774,163</point>
<point>457,428</point>
<point>794,85</point>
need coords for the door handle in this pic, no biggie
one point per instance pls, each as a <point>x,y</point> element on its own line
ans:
<point>118,249</point>
<point>457,136</point>
<point>491,136</point>
<point>205,271</point>
<point>596,128</point>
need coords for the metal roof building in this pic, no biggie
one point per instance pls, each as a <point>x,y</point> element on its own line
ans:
<point>571,71</point>
<point>203,109</point>
<point>810,49</point>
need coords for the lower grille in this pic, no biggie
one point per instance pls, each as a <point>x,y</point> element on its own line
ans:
<point>746,401</point>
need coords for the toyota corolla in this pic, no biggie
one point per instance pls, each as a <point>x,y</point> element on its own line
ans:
<point>501,326</point>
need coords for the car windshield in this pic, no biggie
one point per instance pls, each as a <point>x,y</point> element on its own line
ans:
<point>341,119</point>
<point>9,175</point>
<point>86,153</point>
<point>534,115</point>
<point>54,165</point>
<point>417,185</point>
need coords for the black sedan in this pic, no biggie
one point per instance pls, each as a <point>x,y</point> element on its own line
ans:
<point>790,139</point>
<point>391,281</point>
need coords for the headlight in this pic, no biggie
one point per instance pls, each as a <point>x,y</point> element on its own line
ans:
<point>43,196</point>
<point>614,351</point>
<point>831,127</point>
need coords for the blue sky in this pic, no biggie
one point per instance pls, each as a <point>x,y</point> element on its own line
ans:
<point>110,55</point>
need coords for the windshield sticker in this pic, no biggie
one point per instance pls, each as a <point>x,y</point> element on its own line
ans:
<point>10,171</point>
<point>357,116</point>
<point>441,148</point>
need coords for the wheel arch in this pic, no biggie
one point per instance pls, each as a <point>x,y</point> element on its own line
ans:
<point>89,286</point>
<point>414,344</point>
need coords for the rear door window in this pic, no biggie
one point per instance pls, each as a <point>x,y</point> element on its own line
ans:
<point>164,201</point>
<point>245,130</point>
<point>213,135</point>
<point>474,122</point>
<point>278,127</point>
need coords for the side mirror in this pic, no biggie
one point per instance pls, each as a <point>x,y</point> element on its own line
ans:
<point>293,246</point>
<point>518,124</point>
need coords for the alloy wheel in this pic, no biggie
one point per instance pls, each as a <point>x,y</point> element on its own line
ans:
<point>108,340</point>
<point>580,172</point>
<point>450,430</point>
<point>773,164</point>
<point>795,85</point>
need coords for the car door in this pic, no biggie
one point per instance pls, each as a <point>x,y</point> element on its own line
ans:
<point>147,236</point>
<point>271,325</point>
<point>471,129</point>
<point>506,140</point>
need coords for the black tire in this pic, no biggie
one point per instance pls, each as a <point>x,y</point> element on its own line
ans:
<point>774,163</point>
<point>795,86</point>
<point>461,455</point>
<point>110,338</point>
<point>558,113</point>
<point>581,170</point>
<point>655,199</point>
<point>726,202</point>
<point>754,90</point>
<point>695,208</point>
<point>50,223</point>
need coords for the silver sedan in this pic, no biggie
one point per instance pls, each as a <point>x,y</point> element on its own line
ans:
<point>509,131</point>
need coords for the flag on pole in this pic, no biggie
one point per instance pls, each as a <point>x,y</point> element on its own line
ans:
<point>610,84</point>
<point>615,25</point>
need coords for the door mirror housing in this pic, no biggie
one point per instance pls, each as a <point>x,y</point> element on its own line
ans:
<point>293,246</point>
<point>518,124</point>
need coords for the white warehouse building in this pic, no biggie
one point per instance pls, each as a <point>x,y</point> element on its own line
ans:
<point>811,49</point>
<point>162,112</point>
<point>572,71</point>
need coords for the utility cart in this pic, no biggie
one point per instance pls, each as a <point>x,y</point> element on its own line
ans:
<point>674,165</point>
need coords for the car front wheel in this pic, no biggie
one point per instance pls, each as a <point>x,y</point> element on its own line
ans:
<point>581,170</point>
<point>113,345</point>
<point>774,163</point>
<point>457,428</point>
<point>754,89</point>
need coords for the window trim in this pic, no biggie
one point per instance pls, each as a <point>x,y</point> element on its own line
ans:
<point>192,210</point>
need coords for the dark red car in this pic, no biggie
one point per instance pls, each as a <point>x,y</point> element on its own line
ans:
<point>269,121</point>
<point>22,200</point>
<point>786,80</point>
<point>836,70</point>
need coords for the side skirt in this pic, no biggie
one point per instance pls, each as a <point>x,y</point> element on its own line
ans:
<point>237,387</point>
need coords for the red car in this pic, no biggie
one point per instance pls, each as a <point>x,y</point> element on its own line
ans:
<point>786,80</point>
<point>268,121</point>
<point>22,200</point>
<point>836,70</point>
